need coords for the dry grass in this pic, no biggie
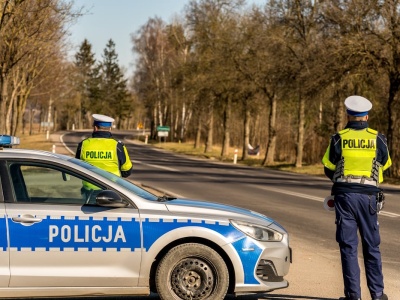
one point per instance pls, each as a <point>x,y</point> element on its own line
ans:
<point>255,161</point>
<point>316,169</point>
<point>37,141</point>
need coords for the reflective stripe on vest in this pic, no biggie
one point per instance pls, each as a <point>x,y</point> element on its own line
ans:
<point>326,162</point>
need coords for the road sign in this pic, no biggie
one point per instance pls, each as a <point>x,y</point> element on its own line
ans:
<point>47,124</point>
<point>162,133</point>
<point>163,128</point>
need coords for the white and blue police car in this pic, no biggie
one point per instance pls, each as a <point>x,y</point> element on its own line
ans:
<point>57,240</point>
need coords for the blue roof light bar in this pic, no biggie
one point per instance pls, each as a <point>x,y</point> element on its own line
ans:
<point>7,141</point>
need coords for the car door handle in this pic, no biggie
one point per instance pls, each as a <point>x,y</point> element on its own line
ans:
<point>26,219</point>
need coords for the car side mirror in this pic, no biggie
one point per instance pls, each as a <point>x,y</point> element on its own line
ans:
<point>109,198</point>
<point>66,177</point>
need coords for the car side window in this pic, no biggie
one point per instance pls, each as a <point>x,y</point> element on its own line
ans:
<point>43,184</point>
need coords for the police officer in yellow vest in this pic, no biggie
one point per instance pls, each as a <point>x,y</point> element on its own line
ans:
<point>355,160</point>
<point>103,151</point>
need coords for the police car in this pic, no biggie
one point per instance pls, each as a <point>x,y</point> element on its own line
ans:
<point>57,241</point>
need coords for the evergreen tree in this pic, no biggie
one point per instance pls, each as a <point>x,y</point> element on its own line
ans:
<point>85,64</point>
<point>115,98</point>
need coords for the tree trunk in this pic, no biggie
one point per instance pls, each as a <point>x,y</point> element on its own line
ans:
<point>186,121</point>
<point>31,116</point>
<point>183,121</point>
<point>198,134</point>
<point>300,136</point>
<point>339,117</point>
<point>270,153</point>
<point>246,132</point>
<point>17,116</point>
<point>55,120</point>
<point>20,109</point>
<point>160,113</point>
<point>226,123</point>
<point>10,106</point>
<point>172,122</point>
<point>391,131</point>
<point>210,131</point>
<point>154,124</point>
<point>3,102</point>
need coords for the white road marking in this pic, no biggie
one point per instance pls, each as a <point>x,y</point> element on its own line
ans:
<point>156,166</point>
<point>319,199</point>
<point>268,188</point>
<point>65,146</point>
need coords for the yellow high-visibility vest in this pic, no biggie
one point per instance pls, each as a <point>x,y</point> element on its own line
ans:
<point>359,148</point>
<point>102,153</point>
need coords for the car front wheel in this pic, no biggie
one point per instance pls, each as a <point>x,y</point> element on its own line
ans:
<point>192,271</point>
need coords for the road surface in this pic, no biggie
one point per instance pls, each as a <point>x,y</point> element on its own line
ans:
<point>294,200</point>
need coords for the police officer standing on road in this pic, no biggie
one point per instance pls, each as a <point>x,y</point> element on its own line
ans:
<point>103,151</point>
<point>355,161</point>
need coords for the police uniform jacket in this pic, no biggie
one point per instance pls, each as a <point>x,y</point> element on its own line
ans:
<point>335,154</point>
<point>105,152</point>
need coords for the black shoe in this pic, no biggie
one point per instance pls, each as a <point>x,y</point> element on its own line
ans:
<point>347,298</point>
<point>382,297</point>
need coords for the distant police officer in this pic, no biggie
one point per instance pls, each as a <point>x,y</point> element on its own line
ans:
<point>103,151</point>
<point>355,161</point>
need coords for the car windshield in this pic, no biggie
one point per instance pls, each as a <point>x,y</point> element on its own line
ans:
<point>118,180</point>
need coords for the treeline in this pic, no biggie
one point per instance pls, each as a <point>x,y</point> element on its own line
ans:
<point>275,75</point>
<point>32,52</point>
<point>222,72</point>
<point>100,87</point>
<point>40,87</point>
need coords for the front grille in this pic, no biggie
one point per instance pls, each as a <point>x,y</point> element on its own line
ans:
<point>266,271</point>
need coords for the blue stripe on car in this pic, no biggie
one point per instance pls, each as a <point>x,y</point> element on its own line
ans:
<point>74,233</point>
<point>122,234</point>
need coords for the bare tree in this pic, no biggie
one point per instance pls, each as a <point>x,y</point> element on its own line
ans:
<point>32,32</point>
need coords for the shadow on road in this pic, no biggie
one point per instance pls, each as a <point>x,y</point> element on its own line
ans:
<point>229,297</point>
<point>275,297</point>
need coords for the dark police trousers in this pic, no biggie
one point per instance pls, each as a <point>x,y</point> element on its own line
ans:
<point>358,211</point>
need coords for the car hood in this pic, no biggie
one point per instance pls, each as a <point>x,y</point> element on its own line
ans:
<point>215,209</point>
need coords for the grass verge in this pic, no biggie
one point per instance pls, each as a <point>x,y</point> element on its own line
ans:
<point>37,141</point>
<point>254,161</point>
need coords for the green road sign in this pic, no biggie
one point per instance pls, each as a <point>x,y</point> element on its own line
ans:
<point>163,128</point>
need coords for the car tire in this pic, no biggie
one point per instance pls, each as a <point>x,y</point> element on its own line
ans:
<point>192,271</point>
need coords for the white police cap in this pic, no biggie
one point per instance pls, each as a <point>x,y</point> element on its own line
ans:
<point>357,106</point>
<point>102,120</point>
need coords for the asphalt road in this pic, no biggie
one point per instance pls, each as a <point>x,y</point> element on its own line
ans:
<point>294,200</point>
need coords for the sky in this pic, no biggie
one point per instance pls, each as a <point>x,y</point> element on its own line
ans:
<point>118,20</point>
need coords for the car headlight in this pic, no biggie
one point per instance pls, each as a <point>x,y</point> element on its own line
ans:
<point>257,232</point>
